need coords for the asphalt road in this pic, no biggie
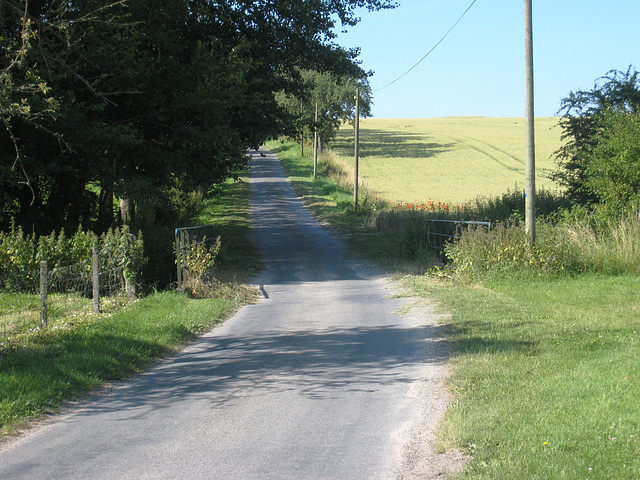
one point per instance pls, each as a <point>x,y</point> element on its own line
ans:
<point>324,378</point>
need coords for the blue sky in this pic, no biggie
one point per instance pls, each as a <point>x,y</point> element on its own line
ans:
<point>478,70</point>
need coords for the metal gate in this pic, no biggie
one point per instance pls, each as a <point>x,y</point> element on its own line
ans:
<point>187,237</point>
<point>441,232</point>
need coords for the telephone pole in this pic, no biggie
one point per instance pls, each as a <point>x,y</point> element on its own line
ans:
<point>315,144</point>
<point>357,151</point>
<point>530,161</point>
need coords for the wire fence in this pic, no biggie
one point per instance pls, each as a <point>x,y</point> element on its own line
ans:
<point>46,296</point>
<point>442,232</point>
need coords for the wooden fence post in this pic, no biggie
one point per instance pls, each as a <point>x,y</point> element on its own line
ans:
<point>178,259</point>
<point>129,285</point>
<point>43,294</point>
<point>95,279</point>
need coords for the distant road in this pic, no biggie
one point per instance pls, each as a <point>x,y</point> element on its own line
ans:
<point>322,379</point>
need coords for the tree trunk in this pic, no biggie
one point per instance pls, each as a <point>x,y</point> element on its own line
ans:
<point>105,211</point>
<point>127,210</point>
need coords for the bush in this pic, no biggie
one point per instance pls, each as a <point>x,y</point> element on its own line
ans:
<point>410,221</point>
<point>121,253</point>
<point>574,245</point>
<point>505,251</point>
<point>511,205</point>
<point>612,167</point>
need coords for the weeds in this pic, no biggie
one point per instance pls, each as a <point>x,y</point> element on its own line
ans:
<point>200,279</point>
<point>568,247</point>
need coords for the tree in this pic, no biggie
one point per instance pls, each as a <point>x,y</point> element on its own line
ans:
<point>582,124</point>
<point>131,100</point>
<point>335,97</point>
<point>613,168</point>
<point>41,76</point>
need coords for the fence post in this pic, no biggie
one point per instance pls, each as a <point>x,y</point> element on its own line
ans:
<point>43,294</point>
<point>129,286</point>
<point>95,279</point>
<point>178,260</point>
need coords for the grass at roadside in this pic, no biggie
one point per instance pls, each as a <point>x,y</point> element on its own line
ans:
<point>544,371</point>
<point>330,198</point>
<point>40,369</point>
<point>227,208</point>
<point>545,376</point>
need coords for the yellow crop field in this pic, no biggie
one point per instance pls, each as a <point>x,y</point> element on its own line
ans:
<point>450,159</point>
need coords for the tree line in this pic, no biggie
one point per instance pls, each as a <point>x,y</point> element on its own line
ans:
<point>109,108</point>
<point>599,162</point>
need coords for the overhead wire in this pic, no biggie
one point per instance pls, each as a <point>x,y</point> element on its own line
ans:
<point>432,49</point>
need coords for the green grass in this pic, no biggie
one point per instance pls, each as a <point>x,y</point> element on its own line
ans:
<point>545,377</point>
<point>452,159</point>
<point>544,371</point>
<point>20,312</point>
<point>227,208</point>
<point>41,369</point>
<point>324,196</point>
<point>330,199</point>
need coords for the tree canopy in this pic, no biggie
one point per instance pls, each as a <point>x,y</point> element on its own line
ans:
<point>133,98</point>
<point>334,96</point>
<point>592,121</point>
<point>613,169</point>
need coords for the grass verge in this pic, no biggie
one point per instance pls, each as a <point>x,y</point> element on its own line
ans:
<point>324,196</point>
<point>544,368</point>
<point>40,369</point>
<point>330,198</point>
<point>226,207</point>
<point>545,376</point>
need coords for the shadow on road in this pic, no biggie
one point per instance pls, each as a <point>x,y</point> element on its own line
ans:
<point>315,363</point>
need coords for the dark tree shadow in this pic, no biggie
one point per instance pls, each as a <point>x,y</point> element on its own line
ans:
<point>383,143</point>
<point>316,364</point>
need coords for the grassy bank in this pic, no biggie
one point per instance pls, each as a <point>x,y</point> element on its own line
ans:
<point>544,368</point>
<point>330,198</point>
<point>40,369</point>
<point>545,376</point>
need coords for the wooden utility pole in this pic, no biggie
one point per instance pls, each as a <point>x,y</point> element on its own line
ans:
<point>95,278</point>
<point>315,144</point>
<point>302,128</point>
<point>530,161</point>
<point>357,151</point>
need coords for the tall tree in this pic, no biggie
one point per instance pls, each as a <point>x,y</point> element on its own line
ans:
<point>335,97</point>
<point>613,168</point>
<point>130,99</point>
<point>582,123</point>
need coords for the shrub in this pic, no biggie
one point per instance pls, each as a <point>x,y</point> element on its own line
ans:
<point>199,280</point>
<point>18,260</point>
<point>511,205</point>
<point>20,255</point>
<point>574,245</point>
<point>505,251</point>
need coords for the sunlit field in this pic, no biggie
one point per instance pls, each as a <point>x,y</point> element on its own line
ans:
<point>450,159</point>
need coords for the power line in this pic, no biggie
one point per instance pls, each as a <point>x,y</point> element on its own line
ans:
<point>429,52</point>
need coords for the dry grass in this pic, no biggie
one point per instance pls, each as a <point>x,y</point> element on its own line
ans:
<point>612,248</point>
<point>453,159</point>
